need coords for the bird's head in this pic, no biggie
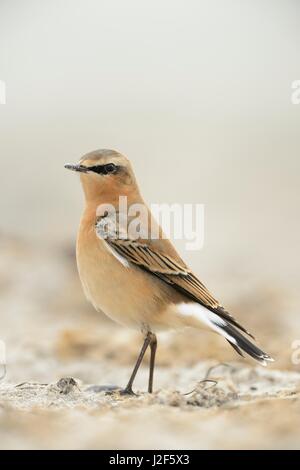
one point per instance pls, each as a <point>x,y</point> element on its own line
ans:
<point>105,174</point>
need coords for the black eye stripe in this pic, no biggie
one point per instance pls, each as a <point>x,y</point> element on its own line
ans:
<point>107,169</point>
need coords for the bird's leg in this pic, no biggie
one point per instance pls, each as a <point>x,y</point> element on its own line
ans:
<point>128,389</point>
<point>153,347</point>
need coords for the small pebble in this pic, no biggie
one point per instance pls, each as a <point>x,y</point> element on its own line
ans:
<point>66,385</point>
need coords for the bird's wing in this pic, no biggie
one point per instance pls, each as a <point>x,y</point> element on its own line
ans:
<point>171,269</point>
<point>168,269</point>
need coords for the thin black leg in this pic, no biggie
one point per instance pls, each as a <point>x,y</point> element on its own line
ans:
<point>128,389</point>
<point>153,347</point>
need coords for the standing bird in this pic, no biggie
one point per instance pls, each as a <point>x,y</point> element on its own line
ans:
<point>136,279</point>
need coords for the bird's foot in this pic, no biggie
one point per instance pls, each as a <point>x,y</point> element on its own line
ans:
<point>127,392</point>
<point>122,392</point>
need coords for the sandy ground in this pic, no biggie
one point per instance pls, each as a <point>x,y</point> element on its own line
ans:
<point>52,335</point>
<point>243,408</point>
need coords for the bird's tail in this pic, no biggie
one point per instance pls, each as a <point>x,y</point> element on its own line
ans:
<point>242,344</point>
<point>223,323</point>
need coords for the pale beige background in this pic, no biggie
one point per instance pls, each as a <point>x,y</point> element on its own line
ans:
<point>198,95</point>
<point>196,91</point>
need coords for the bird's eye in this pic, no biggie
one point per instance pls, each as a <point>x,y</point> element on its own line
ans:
<point>110,168</point>
<point>107,169</point>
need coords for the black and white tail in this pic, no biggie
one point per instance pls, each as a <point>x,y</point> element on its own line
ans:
<point>239,342</point>
<point>228,328</point>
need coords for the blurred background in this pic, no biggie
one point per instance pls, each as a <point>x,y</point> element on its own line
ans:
<point>199,91</point>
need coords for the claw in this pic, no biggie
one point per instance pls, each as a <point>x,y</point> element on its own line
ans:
<point>122,392</point>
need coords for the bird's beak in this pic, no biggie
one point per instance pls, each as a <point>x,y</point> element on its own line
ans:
<point>80,168</point>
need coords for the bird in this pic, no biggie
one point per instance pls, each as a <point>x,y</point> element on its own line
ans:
<point>136,279</point>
